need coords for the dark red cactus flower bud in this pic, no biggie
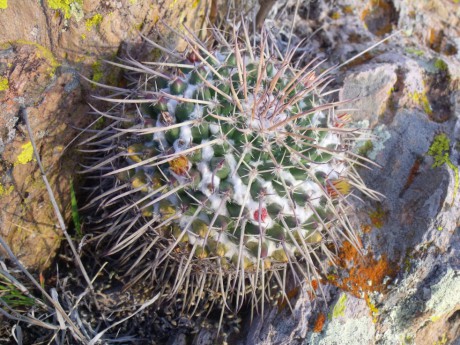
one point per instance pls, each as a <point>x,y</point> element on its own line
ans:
<point>262,216</point>
<point>192,57</point>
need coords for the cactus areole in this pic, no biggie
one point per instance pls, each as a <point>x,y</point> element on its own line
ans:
<point>228,164</point>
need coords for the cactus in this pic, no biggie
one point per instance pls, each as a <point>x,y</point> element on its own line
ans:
<point>227,166</point>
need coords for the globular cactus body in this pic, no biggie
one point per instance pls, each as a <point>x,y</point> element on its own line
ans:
<point>231,162</point>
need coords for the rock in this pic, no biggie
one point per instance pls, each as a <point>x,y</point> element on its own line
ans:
<point>49,43</point>
<point>370,92</point>
<point>52,99</point>
<point>78,30</point>
<point>434,23</point>
<point>404,287</point>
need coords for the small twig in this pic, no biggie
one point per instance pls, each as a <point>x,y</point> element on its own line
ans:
<point>265,7</point>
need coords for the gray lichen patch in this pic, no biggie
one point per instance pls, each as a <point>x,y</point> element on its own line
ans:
<point>352,326</point>
<point>445,295</point>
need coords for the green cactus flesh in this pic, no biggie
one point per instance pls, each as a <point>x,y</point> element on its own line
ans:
<point>234,159</point>
<point>239,165</point>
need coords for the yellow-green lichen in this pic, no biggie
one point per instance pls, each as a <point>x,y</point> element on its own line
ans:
<point>439,150</point>
<point>335,15</point>
<point>414,51</point>
<point>373,309</point>
<point>435,318</point>
<point>365,148</point>
<point>70,8</point>
<point>378,217</point>
<point>3,4</point>
<point>407,339</point>
<point>93,21</point>
<point>422,99</point>
<point>98,73</point>
<point>408,263</point>
<point>339,308</point>
<point>43,53</point>
<point>75,214</point>
<point>442,340</point>
<point>4,85</point>
<point>173,4</point>
<point>26,155</point>
<point>390,91</point>
<point>440,65</point>
<point>139,26</point>
<point>5,191</point>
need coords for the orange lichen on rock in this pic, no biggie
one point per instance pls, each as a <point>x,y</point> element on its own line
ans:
<point>319,323</point>
<point>366,228</point>
<point>379,16</point>
<point>365,273</point>
<point>314,284</point>
<point>282,301</point>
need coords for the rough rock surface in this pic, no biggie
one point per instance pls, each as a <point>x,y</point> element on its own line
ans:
<point>53,104</point>
<point>405,288</point>
<point>80,30</point>
<point>44,46</point>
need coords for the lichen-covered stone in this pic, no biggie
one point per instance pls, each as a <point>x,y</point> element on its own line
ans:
<point>27,219</point>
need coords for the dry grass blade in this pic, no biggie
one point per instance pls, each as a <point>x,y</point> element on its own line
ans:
<point>75,329</point>
<point>54,203</point>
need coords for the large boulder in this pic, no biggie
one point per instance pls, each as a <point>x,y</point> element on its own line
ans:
<point>44,47</point>
<point>404,287</point>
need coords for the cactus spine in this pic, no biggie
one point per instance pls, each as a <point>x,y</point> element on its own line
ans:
<point>226,166</point>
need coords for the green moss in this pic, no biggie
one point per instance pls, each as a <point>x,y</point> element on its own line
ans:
<point>439,150</point>
<point>70,8</point>
<point>3,4</point>
<point>440,65</point>
<point>93,21</point>
<point>26,155</point>
<point>4,85</point>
